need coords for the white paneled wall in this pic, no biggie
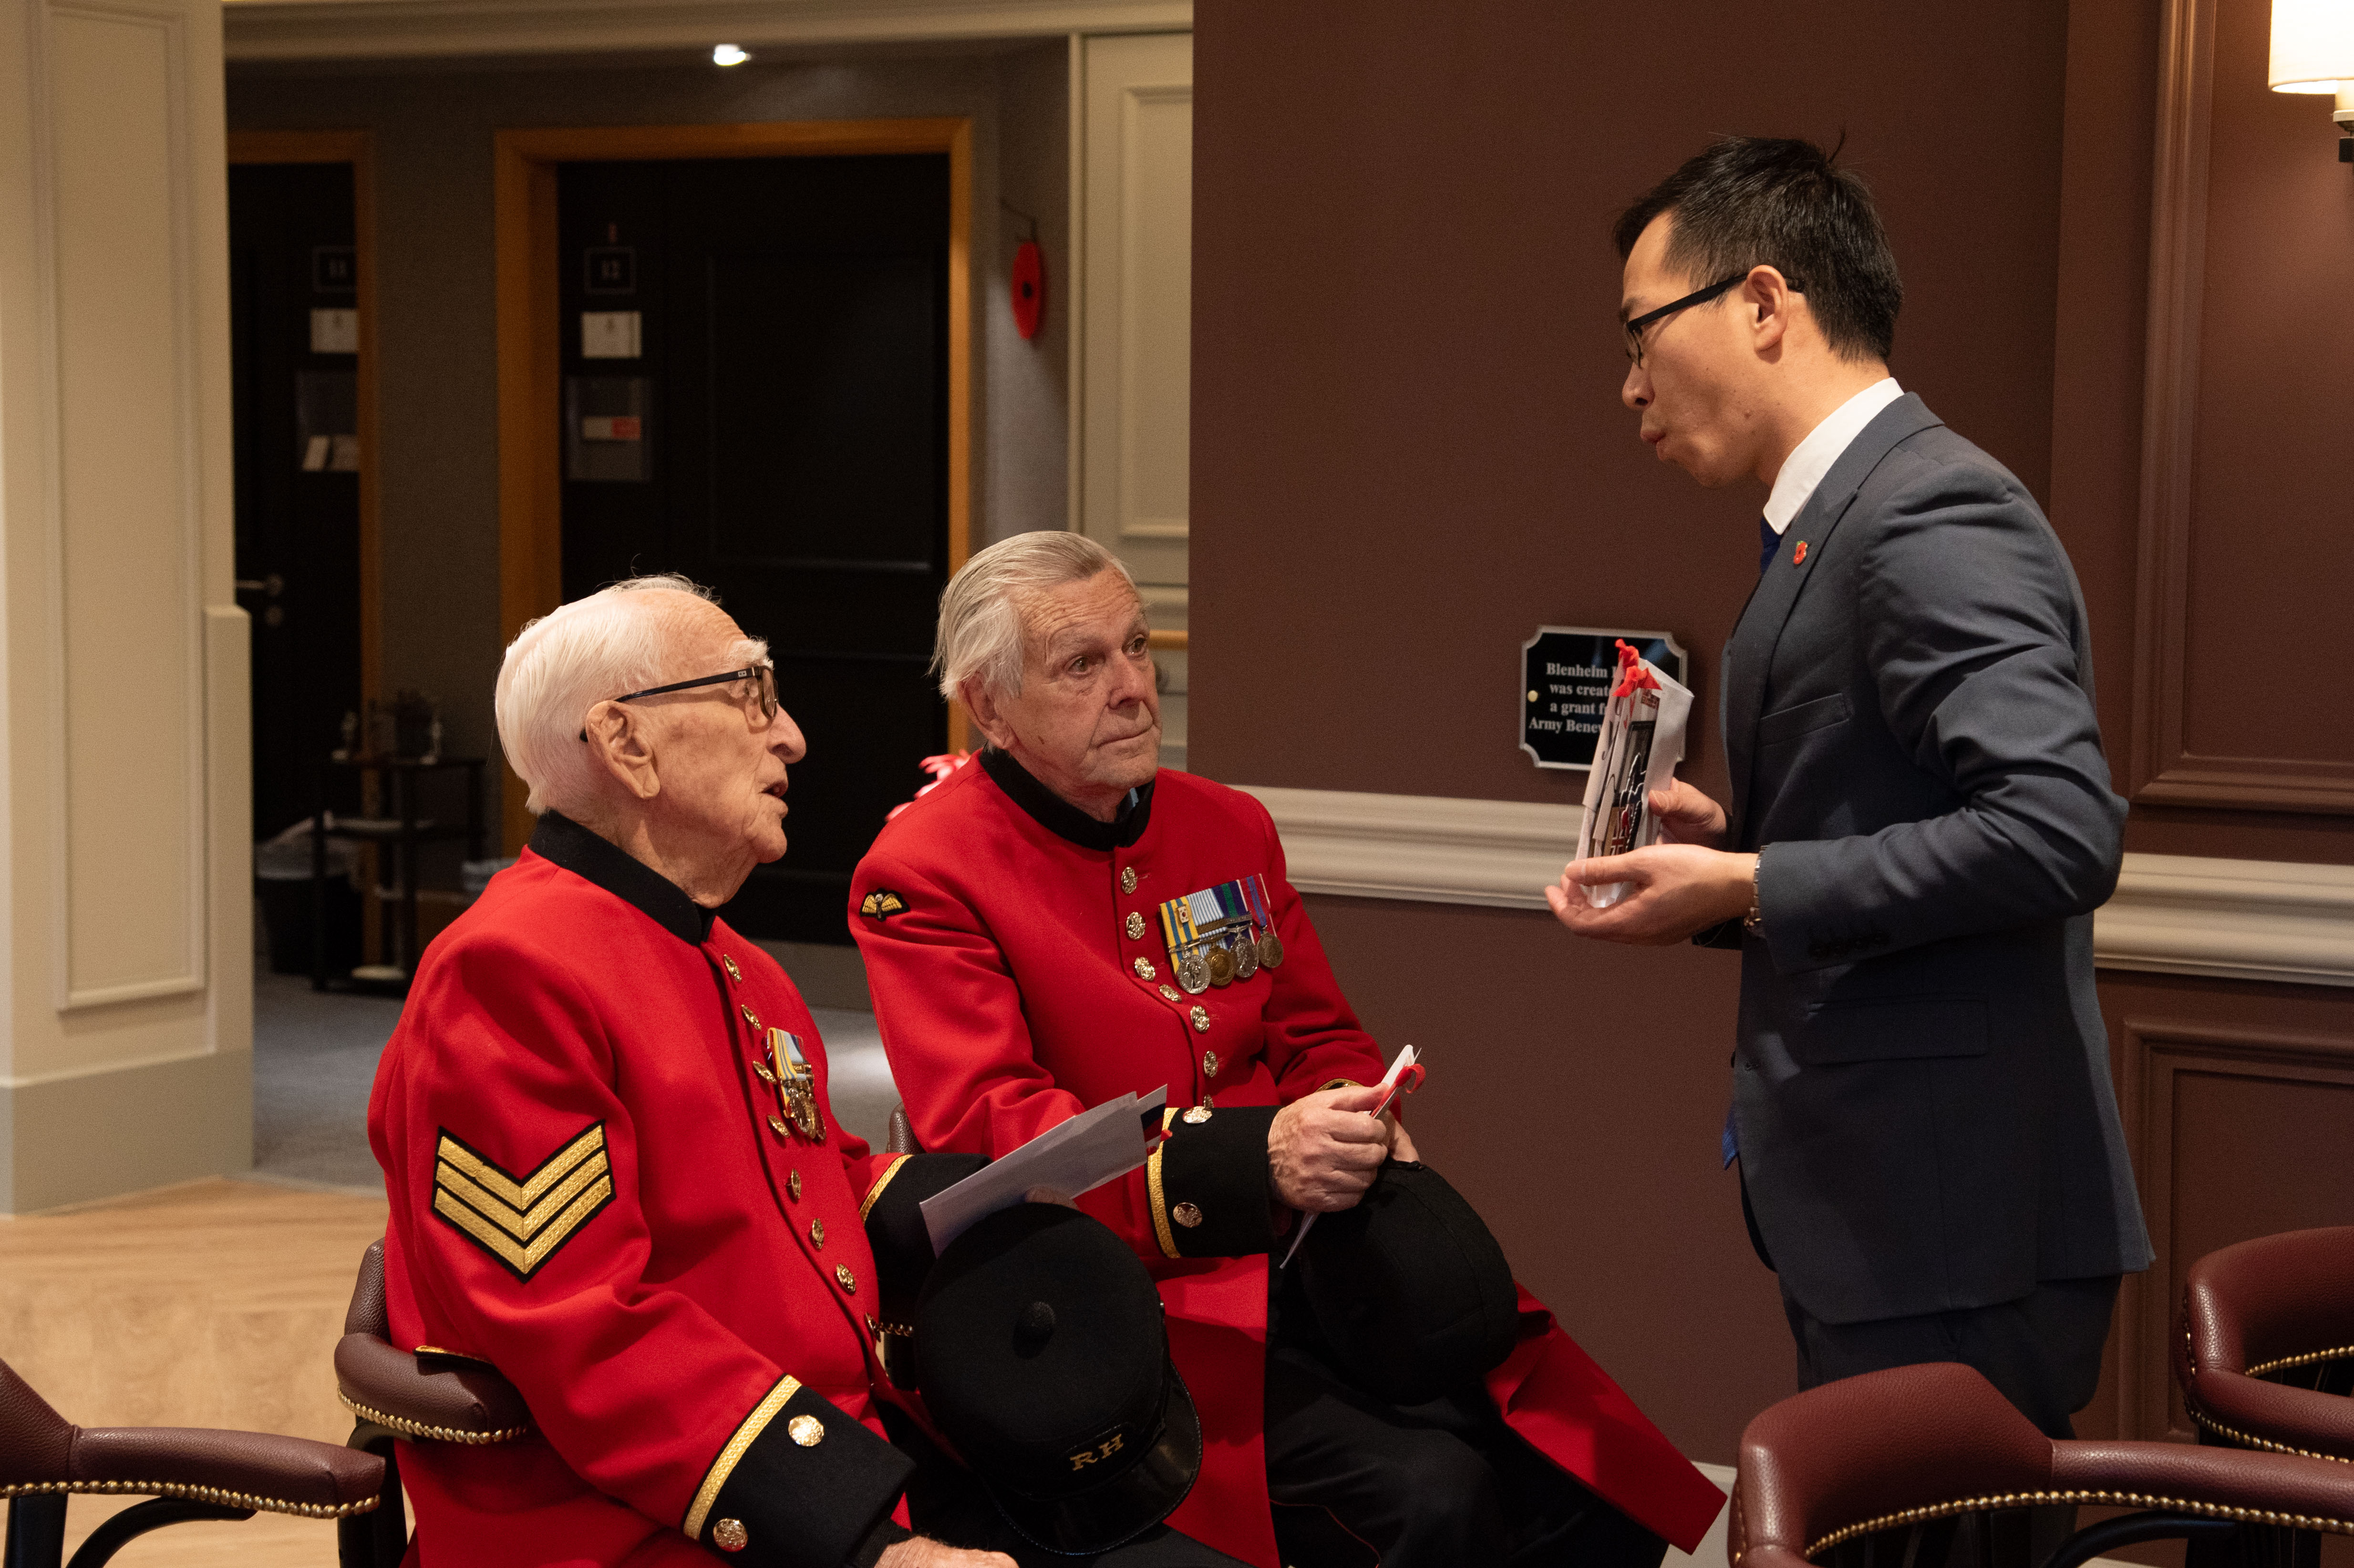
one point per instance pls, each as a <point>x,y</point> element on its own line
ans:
<point>123,885</point>
<point>1133,101</point>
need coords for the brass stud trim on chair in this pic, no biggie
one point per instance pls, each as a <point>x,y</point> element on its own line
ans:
<point>2101,1499</point>
<point>408,1428</point>
<point>2249,1440</point>
<point>214,1495</point>
<point>2307,1360</point>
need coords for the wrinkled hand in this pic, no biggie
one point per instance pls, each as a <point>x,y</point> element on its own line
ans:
<point>1324,1150</point>
<point>1679,889</point>
<point>1688,817</point>
<point>925,1552</point>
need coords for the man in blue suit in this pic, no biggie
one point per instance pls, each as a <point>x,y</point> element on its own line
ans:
<point>1922,823</point>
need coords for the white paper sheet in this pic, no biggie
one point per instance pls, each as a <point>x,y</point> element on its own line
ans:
<point>1071,1157</point>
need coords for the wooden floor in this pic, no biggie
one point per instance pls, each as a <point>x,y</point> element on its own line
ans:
<point>212,1305</point>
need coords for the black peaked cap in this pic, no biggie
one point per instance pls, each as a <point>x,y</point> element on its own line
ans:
<point>1412,1292</point>
<point>1045,1360</point>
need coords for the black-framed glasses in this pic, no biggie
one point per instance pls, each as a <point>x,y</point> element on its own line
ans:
<point>763,676</point>
<point>1644,323</point>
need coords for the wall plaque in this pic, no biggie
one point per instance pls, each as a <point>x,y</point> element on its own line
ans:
<point>1565,675</point>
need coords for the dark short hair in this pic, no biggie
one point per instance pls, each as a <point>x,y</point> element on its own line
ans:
<point>1773,201</point>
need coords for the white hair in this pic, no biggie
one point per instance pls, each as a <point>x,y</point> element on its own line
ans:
<point>620,638</point>
<point>982,608</point>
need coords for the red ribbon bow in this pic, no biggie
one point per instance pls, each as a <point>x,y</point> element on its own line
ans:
<point>1634,675</point>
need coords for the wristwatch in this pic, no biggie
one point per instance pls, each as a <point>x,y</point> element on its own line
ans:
<point>1756,919</point>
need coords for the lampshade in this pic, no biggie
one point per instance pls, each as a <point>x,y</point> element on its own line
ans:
<point>2312,46</point>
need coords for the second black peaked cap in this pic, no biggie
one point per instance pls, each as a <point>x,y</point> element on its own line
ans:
<point>1045,1360</point>
<point>1410,1288</point>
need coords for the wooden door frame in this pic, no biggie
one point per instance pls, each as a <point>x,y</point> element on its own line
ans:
<point>530,349</point>
<point>355,148</point>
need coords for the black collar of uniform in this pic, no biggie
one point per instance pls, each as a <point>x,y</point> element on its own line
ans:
<point>566,843</point>
<point>1059,817</point>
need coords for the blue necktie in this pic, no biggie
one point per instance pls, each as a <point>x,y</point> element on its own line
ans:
<point>1768,542</point>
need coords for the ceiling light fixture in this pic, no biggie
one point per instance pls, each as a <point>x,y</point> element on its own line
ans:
<point>2313,51</point>
<point>728,55</point>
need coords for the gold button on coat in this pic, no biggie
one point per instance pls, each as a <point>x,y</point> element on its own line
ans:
<point>1210,1063</point>
<point>806,1430</point>
<point>1171,992</point>
<point>1135,926</point>
<point>761,1070</point>
<point>1197,1115</point>
<point>777,1125</point>
<point>1201,1018</point>
<point>1144,969</point>
<point>729,1535</point>
<point>1127,879</point>
<point>751,1018</point>
<point>849,1281</point>
<point>793,1186</point>
<point>1186,1214</point>
<point>817,1232</point>
<point>733,972</point>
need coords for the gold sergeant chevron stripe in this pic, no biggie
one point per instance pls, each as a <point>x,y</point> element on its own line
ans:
<point>523,1222</point>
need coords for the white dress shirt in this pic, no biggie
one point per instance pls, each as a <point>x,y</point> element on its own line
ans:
<point>1812,458</point>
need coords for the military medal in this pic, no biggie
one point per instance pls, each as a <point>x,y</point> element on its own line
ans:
<point>1246,951</point>
<point>1270,946</point>
<point>796,1086</point>
<point>1222,965</point>
<point>1183,938</point>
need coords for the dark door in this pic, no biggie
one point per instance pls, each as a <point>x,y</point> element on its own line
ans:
<point>756,395</point>
<point>295,368</point>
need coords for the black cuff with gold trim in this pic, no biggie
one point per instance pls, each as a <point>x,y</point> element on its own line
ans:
<point>1209,1182</point>
<point>903,1247</point>
<point>801,1485</point>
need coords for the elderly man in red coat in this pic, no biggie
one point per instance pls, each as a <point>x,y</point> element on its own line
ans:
<point>1068,921</point>
<point>612,1170</point>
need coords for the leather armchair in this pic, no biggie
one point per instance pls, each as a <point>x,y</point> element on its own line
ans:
<point>422,1395</point>
<point>901,1138</point>
<point>188,1473</point>
<point>2260,1320</point>
<point>1893,1450</point>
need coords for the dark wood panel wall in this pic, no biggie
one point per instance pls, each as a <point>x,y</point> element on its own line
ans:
<point>2248,480</point>
<point>1408,452</point>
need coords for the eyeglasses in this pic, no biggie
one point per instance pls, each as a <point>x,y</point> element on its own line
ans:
<point>762,677</point>
<point>1644,323</point>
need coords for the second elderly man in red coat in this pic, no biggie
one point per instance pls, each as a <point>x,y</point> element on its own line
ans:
<point>1068,921</point>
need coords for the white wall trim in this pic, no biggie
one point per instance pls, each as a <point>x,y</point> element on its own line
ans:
<point>393,29</point>
<point>2231,920</point>
<point>1432,848</point>
<point>2238,919</point>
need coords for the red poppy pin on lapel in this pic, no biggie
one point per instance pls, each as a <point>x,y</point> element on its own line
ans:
<point>1798,556</point>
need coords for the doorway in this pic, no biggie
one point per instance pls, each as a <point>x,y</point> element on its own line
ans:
<point>302,357</point>
<point>301,387</point>
<point>741,352</point>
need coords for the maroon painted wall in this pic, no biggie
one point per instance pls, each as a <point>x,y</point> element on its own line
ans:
<point>1408,452</point>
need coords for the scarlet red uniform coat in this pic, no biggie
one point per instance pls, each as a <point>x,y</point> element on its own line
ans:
<point>1020,977</point>
<point>591,1188</point>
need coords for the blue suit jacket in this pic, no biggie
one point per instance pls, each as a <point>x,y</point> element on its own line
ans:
<point>1920,1086</point>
